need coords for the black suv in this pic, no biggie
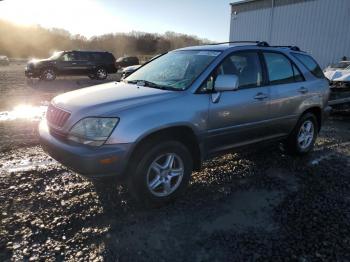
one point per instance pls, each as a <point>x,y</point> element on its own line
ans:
<point>96,65</point>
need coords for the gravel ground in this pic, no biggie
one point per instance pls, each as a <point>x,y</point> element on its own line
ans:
<point>258,204</point>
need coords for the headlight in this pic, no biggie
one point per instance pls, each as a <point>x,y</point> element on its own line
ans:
<point>93,131</point>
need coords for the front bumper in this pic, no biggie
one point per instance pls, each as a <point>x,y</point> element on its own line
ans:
<point>31,73</point>
<point>103,161</point>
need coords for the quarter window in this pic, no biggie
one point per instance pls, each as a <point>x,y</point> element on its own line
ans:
<point>310,64</point>
<point>280,69</point>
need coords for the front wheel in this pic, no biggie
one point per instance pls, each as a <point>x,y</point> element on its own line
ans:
<point>301,141</point>
<point>101,73</point>
<point>162,172</point>
<point>48,74</point>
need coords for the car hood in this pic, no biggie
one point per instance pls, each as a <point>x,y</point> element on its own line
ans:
<point>107,99</point>
<point>338,75</point>
<point>38,61</point>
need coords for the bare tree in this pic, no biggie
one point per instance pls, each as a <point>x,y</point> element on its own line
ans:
<point>36,41</point>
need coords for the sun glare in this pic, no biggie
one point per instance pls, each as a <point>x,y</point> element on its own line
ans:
<point>74,16</point>
<point>26,112</point>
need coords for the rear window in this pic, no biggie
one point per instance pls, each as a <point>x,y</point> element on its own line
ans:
<point>310,64</point>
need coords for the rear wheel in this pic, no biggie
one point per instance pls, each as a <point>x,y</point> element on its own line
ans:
<point>301,141</point>
<point>48,74</point>
<point>162,172</point>
<point>101,73</point>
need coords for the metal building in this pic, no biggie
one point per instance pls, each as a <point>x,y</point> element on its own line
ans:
<point>321,27</point>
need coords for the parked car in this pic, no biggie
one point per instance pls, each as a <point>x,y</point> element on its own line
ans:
<point>339,75</point>
<point>127,61</point>
<point>96,65</point>
<point>159,124</point>
<point>4,60</point>
<point>337,66</point>
<point>126,71</point>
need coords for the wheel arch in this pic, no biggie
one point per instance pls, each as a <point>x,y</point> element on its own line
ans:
<point>317,111</point>
<point>181,133</point>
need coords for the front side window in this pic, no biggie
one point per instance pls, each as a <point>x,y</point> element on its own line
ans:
<point>280,69</point>
<point>245,65</point>
<point>175,70</point>
<point>68,57</point>
<point>310,64</point>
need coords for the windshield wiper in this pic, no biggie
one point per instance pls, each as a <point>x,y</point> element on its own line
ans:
<point>152,85</point>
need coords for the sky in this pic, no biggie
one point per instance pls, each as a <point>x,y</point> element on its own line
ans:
<point>204,18</point>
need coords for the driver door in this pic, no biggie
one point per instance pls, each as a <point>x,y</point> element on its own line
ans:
<point>239,117</point>
<point>67,64</point>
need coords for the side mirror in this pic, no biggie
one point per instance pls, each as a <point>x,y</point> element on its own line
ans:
<point>226,83</point>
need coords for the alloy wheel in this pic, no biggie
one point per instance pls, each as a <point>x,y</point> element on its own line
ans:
<point>101,73</point>
<point>306,134</point>
<point>49,75</point>
<point>165,174</point>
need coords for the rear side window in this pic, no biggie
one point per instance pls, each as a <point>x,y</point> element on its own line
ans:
<point>96,56</point>
<point>83,56</point>
<point>280,69</point>
<point>310,64</point>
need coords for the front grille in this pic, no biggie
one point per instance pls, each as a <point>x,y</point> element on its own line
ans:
<point>340,84</point>
<point>56,116</point>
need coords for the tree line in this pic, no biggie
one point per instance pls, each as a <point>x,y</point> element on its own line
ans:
<point>35,41</point>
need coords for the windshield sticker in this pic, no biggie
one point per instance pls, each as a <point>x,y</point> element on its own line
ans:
<point>209,53</point>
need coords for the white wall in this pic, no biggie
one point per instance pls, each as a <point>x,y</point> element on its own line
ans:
<point>320,27</point>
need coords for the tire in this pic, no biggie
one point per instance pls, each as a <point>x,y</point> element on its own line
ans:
<point>101,73</point>
<point>48,74</point>
<point>152,183</point>
<point>301,141</point>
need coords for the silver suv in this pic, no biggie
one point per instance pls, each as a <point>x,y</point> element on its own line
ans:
<point>159,124</point>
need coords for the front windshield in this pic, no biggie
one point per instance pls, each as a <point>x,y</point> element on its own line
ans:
<point>56,55</point>
<point>175,70</point>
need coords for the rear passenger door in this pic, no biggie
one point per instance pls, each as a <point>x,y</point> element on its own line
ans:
<point>83,63</point>
<point>287,91</point>
<point>238,117</point>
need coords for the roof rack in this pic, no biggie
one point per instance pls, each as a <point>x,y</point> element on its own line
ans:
<point>258,43</point>
<point>261,44</point>
<point>294,48</point>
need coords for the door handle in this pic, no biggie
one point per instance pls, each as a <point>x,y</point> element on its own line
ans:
<point>74,63</point>
<point>260,96</point>
<point>303,90</point>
